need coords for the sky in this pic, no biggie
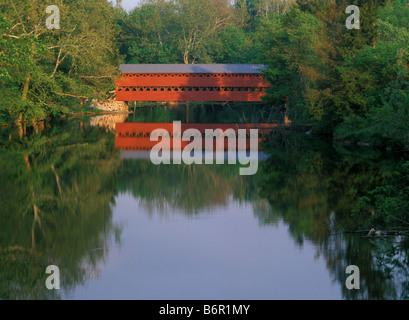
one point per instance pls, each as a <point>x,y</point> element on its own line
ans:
<point>130,4</point>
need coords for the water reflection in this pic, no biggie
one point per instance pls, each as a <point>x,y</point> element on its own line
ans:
<point>311,192</point>
<point>57,188</point>
<point>60,186</point>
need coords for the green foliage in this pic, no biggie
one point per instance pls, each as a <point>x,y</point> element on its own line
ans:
<point>390,202</point>
<point>187,31</point>
<point>56,189</point>
<point>385,125</point>
<point>46,72</point>
<point>396,13</point>
<point>145,37</point>
<point>350,81</point>
<point>236,46</point>
<point>299,65</point>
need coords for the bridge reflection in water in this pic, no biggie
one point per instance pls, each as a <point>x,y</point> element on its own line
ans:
<point>134,139</point>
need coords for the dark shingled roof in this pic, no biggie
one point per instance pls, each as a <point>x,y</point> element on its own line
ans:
<point>191,68</point>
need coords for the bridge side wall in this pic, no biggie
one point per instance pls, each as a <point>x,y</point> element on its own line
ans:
<point>190,87</point>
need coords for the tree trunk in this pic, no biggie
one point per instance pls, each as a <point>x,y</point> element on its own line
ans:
<point>25,88</point>
<point>374,39</point>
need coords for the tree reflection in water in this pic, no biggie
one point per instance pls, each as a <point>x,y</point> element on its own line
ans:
<point>306,183</point>
<point>57,188</point>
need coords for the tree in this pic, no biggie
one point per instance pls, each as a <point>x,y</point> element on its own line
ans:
<point>148,34</point>
<point>235,46</point>
<point>44,69</point>
<point>179,31</point>
<point>56,207</point>
<point>200,21</point>
<point>312,49</point>
<point>294,65</point>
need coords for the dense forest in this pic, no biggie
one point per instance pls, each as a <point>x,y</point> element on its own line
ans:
<point>351,85</point>
<point>339,79</point>
<point>343,81</point>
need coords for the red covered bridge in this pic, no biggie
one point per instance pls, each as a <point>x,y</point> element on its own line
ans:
<point>195,82</point>
<point>137,136</point>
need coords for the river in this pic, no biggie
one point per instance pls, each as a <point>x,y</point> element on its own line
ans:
<point>120,227</point>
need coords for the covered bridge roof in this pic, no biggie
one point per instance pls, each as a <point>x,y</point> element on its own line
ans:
<point>191,68</point>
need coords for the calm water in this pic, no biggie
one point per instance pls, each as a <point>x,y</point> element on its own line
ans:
<point>120,227</point>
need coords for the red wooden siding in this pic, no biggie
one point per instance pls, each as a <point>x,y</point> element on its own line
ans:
<point>192,80</point>
<point>190,87</point>
<point>136,136</point>
<point>145,144</point>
